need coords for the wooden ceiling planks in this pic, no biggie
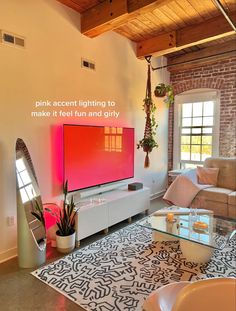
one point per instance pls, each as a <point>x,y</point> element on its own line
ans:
<point>147,19</point>
<point>209,30</point>
<point>207,9</point>
<point>202,56</point>
<point>172,16</point>
<point>189,10</point>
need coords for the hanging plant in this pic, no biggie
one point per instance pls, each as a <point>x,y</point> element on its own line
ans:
<point>148,142</point>
<point>162,90</point>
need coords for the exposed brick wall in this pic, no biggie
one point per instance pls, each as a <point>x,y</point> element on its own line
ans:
<point>220,75</point>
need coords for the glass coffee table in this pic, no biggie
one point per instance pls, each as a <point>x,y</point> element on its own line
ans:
<point>197,244</point>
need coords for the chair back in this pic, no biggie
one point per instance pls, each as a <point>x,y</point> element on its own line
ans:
<point>216,294</point>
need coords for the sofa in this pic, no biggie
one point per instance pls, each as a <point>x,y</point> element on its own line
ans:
<point>221,199</point>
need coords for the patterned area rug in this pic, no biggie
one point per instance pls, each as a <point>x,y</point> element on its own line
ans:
<point>119,271</point>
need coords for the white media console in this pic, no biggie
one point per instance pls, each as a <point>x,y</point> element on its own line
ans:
<point>99,212</point>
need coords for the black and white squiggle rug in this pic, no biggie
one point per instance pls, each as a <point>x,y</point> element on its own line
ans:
<point>119,271</point>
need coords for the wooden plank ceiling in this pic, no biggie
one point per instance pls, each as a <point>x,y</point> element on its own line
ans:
<point>162,27</point>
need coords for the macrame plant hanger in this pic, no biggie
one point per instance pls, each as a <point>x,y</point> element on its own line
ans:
<point>148,104</point>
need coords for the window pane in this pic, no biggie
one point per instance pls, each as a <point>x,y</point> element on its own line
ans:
<point>197,130</point>
<point>190,165</point>
<point>186,110</point>
<point>20,183</point>
<point>185,140</point>
<point>196,140</point>
<point>186,122</point>
<point>20,165</point>
<point>24,196</point>
<point>25,177</point>
<point>208,108</point>
<point>206,152</point>
<point>186,131</point>
<point>197,109</point>
<point>30,191</point>
<point>197,121</point>
<point>185,152</point>
<point>195,154</point>
<point>207,130</point>
<point>207,140</point>
<point>208,121</point>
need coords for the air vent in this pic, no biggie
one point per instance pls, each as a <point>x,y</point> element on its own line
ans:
<point>88,64</point>
<point>11,39</point>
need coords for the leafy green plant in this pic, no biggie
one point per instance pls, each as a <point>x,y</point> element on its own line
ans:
<point>162,90</point>
<point>37,210</point>
<point>147,144</point>
<point>65,219</point>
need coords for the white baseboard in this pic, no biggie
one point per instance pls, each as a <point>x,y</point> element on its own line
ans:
<point>9,254</point>
<point>157,194</point>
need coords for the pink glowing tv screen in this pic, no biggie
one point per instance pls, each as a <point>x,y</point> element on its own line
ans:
<point>96,155</point>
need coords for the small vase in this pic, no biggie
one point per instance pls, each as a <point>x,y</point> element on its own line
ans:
<point>65,244</point>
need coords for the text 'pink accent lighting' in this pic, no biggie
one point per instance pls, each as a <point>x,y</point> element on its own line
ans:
<point>95,155</point>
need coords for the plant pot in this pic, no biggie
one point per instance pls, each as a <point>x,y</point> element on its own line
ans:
<point>159,93</point>
<point>147,149</point>
<point>65,244</point>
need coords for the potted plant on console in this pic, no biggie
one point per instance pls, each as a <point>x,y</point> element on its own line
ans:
<point>65,235</point>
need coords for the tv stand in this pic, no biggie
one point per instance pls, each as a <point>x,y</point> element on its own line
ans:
<point>88,193</point>
<point>98,213</point>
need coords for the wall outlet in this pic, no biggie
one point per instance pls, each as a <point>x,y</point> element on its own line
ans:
<point>10,221</point>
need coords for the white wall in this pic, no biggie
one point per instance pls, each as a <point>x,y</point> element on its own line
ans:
<point>50,69</point>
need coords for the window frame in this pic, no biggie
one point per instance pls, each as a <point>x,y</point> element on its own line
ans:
<point>32,183</point>
<point>196,95</point>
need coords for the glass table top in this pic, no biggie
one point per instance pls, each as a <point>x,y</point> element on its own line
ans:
<point>216,235</point>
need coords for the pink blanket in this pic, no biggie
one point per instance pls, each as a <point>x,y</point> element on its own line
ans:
<point>184,189</point>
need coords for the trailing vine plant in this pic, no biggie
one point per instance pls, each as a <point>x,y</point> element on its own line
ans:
<point>162,90</point>
<point>148,142</point>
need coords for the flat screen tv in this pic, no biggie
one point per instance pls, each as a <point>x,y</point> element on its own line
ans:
<point>96,155</point>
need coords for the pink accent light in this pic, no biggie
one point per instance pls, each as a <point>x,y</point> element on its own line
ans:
<point>95,155</point>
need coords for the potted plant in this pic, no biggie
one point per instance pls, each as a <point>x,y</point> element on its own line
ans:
<point>162,90</point>
<point>147,144</point>
<point>65,235</point>
<point>37,211</point>
<point>65,220</point>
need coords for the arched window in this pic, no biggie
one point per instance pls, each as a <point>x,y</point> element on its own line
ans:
<point>196,127</point>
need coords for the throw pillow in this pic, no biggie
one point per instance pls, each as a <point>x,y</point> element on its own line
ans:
<point>207,176</point>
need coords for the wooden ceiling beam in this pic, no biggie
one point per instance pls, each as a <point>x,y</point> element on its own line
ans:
<point>103,17</point>
<point>155,46</point>
<point>111,14</point>
<point>71,4</point>
<point>209,30</point>
<point>206,55</point>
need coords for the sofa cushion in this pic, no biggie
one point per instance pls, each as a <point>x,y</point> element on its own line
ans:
<point>232,198</point>
<point>227,172</point>
<point>207,175</point>
<point>215,194</point>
